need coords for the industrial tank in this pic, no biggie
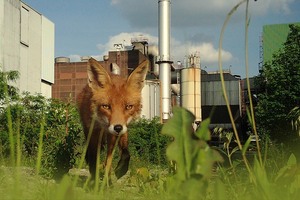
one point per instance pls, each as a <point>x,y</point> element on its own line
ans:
<point>191,91</point>
<point>62,60</point>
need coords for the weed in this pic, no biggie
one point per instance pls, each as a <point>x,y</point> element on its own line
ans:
<point>193,156</point>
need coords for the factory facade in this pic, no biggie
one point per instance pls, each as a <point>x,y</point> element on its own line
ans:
<point>272,40</point>
<point>27,46</point>
<point>192,88</point>
<point>71,77</point>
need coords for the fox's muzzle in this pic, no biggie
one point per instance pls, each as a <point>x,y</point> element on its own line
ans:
<point>117,129</point>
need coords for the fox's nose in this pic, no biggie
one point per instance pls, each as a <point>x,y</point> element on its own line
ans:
<point>118,128</point>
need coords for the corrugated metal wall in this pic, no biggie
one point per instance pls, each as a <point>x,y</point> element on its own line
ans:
<point>151,99</point>
<point>212,93</point>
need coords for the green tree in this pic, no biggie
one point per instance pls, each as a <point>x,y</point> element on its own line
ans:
<point>280,81</point>
<point>5,87</point>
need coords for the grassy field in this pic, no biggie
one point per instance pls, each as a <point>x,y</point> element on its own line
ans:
<point>199,173</point>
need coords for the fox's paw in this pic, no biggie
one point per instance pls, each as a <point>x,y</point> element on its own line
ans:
<point>122,167</point>
<point>123,164</point>
<point>121,170</point>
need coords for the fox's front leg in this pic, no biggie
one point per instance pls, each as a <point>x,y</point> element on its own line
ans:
<point>123,163</point>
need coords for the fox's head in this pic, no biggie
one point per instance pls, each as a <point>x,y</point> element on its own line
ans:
<point>116,100</point>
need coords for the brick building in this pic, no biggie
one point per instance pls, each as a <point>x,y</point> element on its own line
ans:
<point>71,77</point>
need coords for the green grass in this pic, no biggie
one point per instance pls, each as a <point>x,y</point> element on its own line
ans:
<point>196,176</point>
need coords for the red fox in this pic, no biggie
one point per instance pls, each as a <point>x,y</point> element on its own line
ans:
<point>112,101</point>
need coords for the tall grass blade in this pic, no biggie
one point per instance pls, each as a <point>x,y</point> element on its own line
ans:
<point>157,145</point>
<point>246,145</point>
<point>223,83</point>
<point>40,146</point>
<point>247,20</point>
<point>19,152</point>
<point>98,161</point>
<point>221,70</point>
<point>85,150</point>
<point>106,178</point>
<point>18,139</point>
<point>10,129</point>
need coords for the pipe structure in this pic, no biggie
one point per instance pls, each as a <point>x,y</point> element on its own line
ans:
<point>164,57</point>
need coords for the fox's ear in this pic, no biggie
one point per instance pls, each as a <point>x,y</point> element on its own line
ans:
<point>97,75</point>
<point>137,78</point>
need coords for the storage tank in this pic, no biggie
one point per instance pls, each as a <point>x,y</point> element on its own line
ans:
<point>62,60</point>
<point>151,99</point>
<point>191,91</point>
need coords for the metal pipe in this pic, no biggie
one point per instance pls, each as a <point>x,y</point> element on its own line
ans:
<point>164,57</point>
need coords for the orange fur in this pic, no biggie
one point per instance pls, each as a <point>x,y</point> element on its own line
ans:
<point>113,102</point>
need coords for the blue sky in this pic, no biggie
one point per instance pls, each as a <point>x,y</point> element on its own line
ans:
<point>91,27</point>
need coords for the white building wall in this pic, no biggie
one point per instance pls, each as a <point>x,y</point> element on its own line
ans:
<point>47,50</point>
<point>10,35</point>
<point>31,78</point>
<point>1,33</point>
<point>46,89</point>
<point>47,56</point>
<point>27,45</point>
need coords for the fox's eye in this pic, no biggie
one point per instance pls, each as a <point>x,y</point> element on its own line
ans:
<point>105,106</point>
<point>129,107</point>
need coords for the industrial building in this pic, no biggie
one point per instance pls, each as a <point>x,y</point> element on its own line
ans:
<point>272,39</point>
<point>213,102</point>
<point>71,77</point>
<point>27,46</point>
<point>193,88</point>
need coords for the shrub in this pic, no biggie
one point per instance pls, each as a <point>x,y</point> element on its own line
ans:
<point>61,131</point>
<point>63,138</point>
<point>146,142</point>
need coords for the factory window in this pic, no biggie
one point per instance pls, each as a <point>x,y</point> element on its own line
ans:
<point>24,26</point>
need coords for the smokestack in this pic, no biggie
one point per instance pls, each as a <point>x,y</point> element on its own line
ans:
<point>164,57</point>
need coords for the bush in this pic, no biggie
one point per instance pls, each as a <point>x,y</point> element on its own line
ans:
<point>60,126</point>
<point>63,138</point>
<point>145,141</point>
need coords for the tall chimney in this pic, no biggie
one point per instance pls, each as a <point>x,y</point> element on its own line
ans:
<point>164,57</point>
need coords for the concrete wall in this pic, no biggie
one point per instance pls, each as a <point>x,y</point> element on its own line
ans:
<point>27,45</point>
<point>47,57</point>
<point>31,48</point>
<point>10,35</point>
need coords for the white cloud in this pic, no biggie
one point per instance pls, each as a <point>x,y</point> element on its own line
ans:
<point>278,6</point>
<point>113,2</point>
<point>208,53</point>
